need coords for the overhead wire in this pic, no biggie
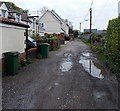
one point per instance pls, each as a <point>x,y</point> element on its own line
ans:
<point>86,15</point>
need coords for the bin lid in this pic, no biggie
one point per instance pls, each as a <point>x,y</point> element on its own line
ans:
<point>45,44</point>
<point>12,53</point>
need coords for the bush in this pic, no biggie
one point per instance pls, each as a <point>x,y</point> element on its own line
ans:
<point>36,36</point>
<point>110,46</point>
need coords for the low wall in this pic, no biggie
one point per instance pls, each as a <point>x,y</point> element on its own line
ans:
<point>22,56</point>
<point>32,53</point>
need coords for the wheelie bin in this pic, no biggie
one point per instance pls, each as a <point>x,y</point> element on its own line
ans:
<point>12,62</point>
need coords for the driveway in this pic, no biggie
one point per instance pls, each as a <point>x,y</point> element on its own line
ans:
<point>71,78</point>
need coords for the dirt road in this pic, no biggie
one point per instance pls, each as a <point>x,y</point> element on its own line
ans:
<point>71,78</point>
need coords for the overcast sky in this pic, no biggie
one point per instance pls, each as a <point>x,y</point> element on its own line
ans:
<point>76,10</point>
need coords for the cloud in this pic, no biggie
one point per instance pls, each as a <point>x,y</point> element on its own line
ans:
<point>76,10</point>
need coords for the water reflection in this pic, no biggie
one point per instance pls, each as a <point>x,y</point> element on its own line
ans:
<point>91,66</point>
<point>66,65</point>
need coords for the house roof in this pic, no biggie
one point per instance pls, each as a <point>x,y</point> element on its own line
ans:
<point>1,3</point>
<point>58,17</point>
<point>11,22</point>
<point>24,17</point>
<point>13,11</point>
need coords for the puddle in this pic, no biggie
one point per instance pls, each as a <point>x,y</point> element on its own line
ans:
<point>92,67</point>
<point>66,65</point>
<point>87,54</point>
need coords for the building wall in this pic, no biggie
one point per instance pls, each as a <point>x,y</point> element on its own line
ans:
<point>12,38</point>
<point>66,28</point>
<point>119,8</point>
<point>92,30</point>
<point>51,24</point>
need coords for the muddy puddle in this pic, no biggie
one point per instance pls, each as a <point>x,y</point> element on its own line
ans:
<point>66,64</point>
<point>91,66</point>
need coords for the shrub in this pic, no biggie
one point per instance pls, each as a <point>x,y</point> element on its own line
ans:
<point>110,46</point>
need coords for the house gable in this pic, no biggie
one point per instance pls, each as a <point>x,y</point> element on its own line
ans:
<point>51,23</point>
<point>64,26</point>
<point>3,7</point>
<point>3,10</point>
<point>50,15</point>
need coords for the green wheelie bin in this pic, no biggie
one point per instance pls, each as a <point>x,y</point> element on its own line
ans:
<point>44,50</point>
<point>12,62</point>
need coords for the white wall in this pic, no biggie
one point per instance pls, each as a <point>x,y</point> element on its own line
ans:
<point>66,28</point>
<point>51,24</point>
<point>119,9</point>
<point>12,39</point>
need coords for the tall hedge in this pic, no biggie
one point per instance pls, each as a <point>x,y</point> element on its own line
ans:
<point>111,45</point>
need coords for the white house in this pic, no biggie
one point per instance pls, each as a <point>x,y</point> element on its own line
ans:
<point>53,23</point>
<point>12,32</point>
<point>32,21</point>
<point>119,8</point>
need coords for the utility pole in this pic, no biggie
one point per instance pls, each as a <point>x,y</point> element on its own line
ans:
<point>90,23</point>
<point>80,28</point>
<point>26,44</point>
<point>90,33</point>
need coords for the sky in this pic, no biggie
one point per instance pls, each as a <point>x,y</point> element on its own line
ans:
<point>76,11</point>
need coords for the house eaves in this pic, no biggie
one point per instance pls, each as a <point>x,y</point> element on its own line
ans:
<point>62,29</point>
<point>58,17</point>
<point>11,22</point>
<point>24,17</point>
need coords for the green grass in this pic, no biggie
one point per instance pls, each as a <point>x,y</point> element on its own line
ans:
<point>87,43</point>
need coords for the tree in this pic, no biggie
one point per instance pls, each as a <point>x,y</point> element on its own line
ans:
<point>13,6</point>
<point>75,33</point>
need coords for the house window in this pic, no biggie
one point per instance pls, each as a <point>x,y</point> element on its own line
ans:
<point>17,18</point>
<point>3,13</point>
<point>42,24</point>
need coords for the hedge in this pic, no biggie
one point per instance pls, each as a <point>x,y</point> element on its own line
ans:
<point>111,46</point>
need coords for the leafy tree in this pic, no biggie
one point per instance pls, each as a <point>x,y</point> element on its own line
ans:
<point>13,6</point>
<point>75,33</point>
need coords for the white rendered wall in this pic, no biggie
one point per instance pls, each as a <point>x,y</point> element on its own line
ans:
<point>12,39</point>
